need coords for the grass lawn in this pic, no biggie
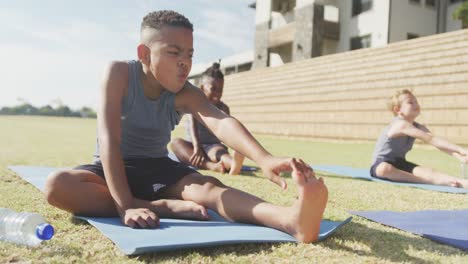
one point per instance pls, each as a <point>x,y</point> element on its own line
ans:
<point>65,142</point>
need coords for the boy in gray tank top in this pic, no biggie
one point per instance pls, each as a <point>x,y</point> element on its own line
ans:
<point>132,178</point>
<point>202,149</point>
<point>389,158</point>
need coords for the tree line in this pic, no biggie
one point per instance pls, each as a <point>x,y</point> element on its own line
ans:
<point>47,110</point>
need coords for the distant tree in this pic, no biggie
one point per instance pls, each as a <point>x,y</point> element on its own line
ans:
<point>25,109</point>
<point>62,110</point>
<point>6,111</point>
<point>87,112</point>
<point>461,13</point>
<point>47,110</point>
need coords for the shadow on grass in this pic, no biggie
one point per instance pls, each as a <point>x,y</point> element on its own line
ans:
<point>384,244</point>
<point>243,249</point>
<point>78,221</point>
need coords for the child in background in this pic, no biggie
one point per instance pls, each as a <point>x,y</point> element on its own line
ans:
<point>202,149</point>
<point>132,177</point>
<point>397,139</point>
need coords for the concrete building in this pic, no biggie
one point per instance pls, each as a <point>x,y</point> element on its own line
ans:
<point>232,64</point>
<point>292,30</point>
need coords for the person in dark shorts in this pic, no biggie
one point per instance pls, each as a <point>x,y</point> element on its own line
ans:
<point>202,149</point>
<point>132,177</point>
<point>397,139</point>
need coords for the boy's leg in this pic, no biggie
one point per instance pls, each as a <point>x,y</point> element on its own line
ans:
<point>184,150</point>
<point>419,175</point>
<point>80,192</point>
<point>85,193</point>
<point>302,219</point>
<point>236,164</point>
<point>439,178</point>
<point>218,152</point>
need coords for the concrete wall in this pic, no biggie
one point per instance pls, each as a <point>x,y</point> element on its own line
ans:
<point>407,17</point>
<point>373,21</point>
<point>343,96</point>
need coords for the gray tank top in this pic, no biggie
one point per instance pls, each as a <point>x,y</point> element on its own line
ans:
<point>204,134</point>
<point>146,123</point>
<point>391,149</point>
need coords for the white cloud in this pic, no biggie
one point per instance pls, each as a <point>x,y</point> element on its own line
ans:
<point>40,76</point>
<point>226,28</point>
<point>58,61</point>
<point>59,52</point>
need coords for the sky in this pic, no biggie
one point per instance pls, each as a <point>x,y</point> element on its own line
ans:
<point>54,51</point>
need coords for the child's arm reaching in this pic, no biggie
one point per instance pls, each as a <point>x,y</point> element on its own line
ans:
<point>109,126</point>
<point>198,156</point>
<point>423,134</point>
<point>231,132</point>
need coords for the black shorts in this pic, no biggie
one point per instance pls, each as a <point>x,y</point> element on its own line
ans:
<point>146,176</point>
<point>219,153</point>
<point>400,164</point>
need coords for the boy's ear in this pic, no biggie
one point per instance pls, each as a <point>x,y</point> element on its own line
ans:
<point>143,53</point>
<point>396,109</point>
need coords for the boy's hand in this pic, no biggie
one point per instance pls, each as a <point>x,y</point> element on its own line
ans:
<point>140,217</point>
<point>273,166</point>
<point>198,157</point>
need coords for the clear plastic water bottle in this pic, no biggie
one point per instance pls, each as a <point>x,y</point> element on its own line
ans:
<point>24,228</point>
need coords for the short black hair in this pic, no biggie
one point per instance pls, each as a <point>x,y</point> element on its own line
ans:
<point>214,72</point>
<point>158,19</point>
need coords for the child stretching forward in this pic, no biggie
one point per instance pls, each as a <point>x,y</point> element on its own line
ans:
<point>397,139</point>
<point>203,149</point>
<point>132,176</point>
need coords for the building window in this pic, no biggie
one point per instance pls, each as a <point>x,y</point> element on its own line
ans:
<point>417,2</point>
<point>456,1</point>
<point>431,3</point>
<point>244,67</point>
<point>283,6</point>
<point>230,70</point>
<point>360,6</point>
<point>411,36</point>
<point>360,42</point>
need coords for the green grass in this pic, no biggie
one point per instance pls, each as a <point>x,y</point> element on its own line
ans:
<point>62,142</point>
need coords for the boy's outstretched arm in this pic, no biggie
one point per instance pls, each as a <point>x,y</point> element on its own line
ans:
<point>426,136</point>
<point>230,131</point>
<point>114,87</point>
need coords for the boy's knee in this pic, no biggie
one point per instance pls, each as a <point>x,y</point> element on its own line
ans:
<point>212,182</point>
<point>384,169</point>
<point>204,184</point>
<point>54,183</point>
<point>177,142</point>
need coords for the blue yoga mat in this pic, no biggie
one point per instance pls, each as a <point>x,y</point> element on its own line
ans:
<point>175,233</point>
<point>244,168</point>
<point>364,174</point>
<point>447,227</point>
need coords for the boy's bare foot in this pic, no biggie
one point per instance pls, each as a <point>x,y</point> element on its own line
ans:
<point>307,210</point>
<point>236,164</point>
<point>462,183</point>
<point>183,209</point>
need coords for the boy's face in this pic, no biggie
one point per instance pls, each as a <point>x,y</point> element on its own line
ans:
<point>213,89</point>
<point>409,106</point>
<point>170,56</point>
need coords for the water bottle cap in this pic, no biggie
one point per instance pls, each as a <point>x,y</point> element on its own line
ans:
<point>44,231</point>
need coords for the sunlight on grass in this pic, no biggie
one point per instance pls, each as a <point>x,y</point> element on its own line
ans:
<point>66,142</point>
